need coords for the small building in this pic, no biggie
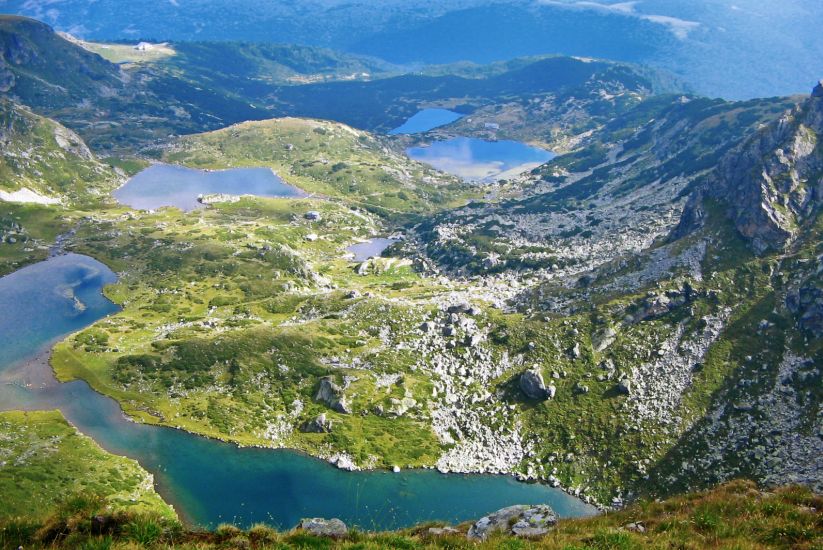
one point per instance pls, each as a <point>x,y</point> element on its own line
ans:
<point>491,126</point>
<point>312,215</point>
<point>144,47</point>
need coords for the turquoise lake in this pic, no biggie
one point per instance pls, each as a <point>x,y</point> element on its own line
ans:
<point>425,120</point>
<point>209,481</point>
<point>481,161</point>
<point>167,185</point>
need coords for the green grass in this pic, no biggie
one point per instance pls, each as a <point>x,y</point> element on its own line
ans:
<point>328,159</point>
<point>46,462</point>
<point>735,515</point>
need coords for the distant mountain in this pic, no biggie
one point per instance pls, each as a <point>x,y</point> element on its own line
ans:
<point>206,85</point>
<point>739,50</point>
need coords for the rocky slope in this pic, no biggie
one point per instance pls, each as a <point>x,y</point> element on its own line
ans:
<point>674,231</point>
<point>622,320</point>
<point>43,162</point>
<point>773,182</point>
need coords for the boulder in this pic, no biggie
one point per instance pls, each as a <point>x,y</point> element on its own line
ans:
<point>636,527</point>
<point>459,308</point>
<point>520,520</point>
<point>581,388</point>
<point>324,527</point>
<point>603,339</point>
<point>532,384</point>
<point>624,386</point>
<point>317,425</point>
<point>442,531</point>
<point>329,393</point>
<point>399,407</point>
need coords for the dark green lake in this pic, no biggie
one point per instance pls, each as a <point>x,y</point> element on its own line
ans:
<point>210,481</point>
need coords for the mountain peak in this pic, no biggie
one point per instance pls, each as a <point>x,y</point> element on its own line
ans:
<point>818,90</point>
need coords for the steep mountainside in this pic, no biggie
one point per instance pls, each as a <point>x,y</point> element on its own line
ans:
<point>108,105</point>
<point>685,233</point>
<point>385,104</point>
<point>43,161</point>
<point>735,50</point>
<point>39,66</point>
<point>774,182</point>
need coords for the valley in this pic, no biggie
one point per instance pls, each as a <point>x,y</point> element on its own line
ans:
<point>577,275</point>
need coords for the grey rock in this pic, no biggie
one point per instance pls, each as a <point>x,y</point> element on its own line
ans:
<point>772,181</point>
<point>329,393</point>
<point>317,425</point>
<point>399,407</point>
<point>324,527</point>
<point>635,527</point>
<point>459,308</point>
<point>575,351</point>
<point>533,386</point>
<point>520,520</point>
<point>603,339</point>
<point>472,341</point>
<point>442,531</point>
<point>624,386</point>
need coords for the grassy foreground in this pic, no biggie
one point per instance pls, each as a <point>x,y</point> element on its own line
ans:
<point>735,515</point>
<point>45,462</point>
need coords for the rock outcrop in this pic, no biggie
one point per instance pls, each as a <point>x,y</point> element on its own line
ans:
<point>320,527</point>
<point>520,520</point>
<point>317,425</point>
<point>329,393</point>
<point>532,384</point>
<point>773,182</point>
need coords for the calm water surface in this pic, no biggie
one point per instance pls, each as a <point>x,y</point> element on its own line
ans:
<point>167,185</point>
<point>370,249</point>
<point>425,120</point>
<point>209,481</point>
<point>479,160</point>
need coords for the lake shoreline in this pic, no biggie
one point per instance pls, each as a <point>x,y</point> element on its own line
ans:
<point>38,377</point>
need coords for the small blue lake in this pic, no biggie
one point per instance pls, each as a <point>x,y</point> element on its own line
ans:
<point>479,160</point>
<point>167,185</point>
<point>425,120</point>
<point>370,249</point>
<point>206,480</point>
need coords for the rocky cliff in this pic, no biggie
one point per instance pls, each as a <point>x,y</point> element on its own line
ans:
<point>773,182</point>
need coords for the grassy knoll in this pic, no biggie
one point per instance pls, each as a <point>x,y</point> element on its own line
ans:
<point>44,462</point>
<point>329,159</point>
<point>736,515</point>
<point>44,157</point>
<point>232,314</point>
